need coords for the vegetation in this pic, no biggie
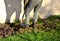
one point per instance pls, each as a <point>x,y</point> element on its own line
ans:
<point>46,30</point>
<point>53,35</point>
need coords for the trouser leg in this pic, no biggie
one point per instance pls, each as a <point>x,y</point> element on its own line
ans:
<point>26,10</point>
<point>17,15</point>
<point>18,11</point>
<point>17,8</point>
<point>36,11</point>
<point>9,12</point>
<point>29,7</point>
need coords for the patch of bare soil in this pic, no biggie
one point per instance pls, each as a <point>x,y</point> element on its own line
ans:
<point>5,30</point>
<point>8,29</point>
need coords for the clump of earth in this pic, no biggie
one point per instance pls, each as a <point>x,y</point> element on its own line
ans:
<point>8,29</point>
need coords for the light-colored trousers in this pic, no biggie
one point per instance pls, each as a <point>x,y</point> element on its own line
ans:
<point>36,4</point>
<point>11,7</point>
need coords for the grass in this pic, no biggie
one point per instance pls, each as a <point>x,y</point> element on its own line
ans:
<point>53,35</point>
<point>40,35</point>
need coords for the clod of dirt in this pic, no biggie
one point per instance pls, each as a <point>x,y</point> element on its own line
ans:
<point>5,30</point>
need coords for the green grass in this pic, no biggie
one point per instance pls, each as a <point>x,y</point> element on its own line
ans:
<point>54,17</point>
<point>53,35</point>
<point>41,35</point>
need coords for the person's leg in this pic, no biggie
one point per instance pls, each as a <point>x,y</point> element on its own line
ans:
<point>28,9</point>
<point>9,11</point>
<point>18,9</point>
<point>11,6</point>
<point>36,13</point>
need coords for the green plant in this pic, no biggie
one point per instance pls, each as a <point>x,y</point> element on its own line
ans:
<point>54,17</point>
<point>53,35</point>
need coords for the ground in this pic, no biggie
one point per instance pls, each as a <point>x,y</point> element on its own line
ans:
<point>46,30</point>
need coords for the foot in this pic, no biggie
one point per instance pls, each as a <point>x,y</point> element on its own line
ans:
<point>23,25</point>
<point>33,25</point>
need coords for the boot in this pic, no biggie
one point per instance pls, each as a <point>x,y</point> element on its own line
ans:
<point>24,25</point>
<point>33,25</point>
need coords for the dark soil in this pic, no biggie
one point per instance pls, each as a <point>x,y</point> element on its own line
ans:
<point>11,29</point>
